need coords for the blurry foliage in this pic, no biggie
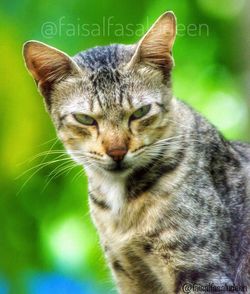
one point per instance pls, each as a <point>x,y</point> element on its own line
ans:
<point>47,240</point>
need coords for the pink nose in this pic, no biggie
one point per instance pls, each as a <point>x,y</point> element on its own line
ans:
<point>117,154</point>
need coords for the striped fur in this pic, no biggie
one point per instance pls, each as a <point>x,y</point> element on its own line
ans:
<point>176,209</point>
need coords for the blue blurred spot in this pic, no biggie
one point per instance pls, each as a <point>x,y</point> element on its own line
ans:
<point>4,288</point>
<point>58,284</point>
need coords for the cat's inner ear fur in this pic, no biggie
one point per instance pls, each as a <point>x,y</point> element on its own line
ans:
<point>155,48</point>
<point>47,65</point>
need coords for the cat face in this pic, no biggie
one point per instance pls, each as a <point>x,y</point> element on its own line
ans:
<point>110,125</point>
<point>110,104</point>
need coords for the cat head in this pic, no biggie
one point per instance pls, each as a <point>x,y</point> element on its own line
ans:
<point>109,104</point>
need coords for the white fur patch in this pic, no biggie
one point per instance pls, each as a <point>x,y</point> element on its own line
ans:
<point>111,187</point>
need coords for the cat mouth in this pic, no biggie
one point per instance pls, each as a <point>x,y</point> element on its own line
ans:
<point>117,167</point>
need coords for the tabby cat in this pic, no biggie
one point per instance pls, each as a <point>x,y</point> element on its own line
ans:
<point>168,194</point>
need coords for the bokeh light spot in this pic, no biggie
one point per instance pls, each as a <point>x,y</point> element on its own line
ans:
<point>69,242</point>
<point>223,8</point>
<point>58,284</point>
<point>4,287</point>
<point>225,111</point>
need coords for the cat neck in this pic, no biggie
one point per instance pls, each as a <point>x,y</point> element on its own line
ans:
<point>111,188</point>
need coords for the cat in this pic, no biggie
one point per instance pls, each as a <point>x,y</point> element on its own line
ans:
<point>168,194</point>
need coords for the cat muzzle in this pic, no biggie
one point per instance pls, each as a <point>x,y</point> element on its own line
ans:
<point>117,154</point>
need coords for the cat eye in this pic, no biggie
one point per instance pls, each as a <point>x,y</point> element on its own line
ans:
<point>85,119</point>
<point>139,113</point>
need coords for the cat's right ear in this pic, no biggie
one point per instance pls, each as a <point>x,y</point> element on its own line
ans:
<point>155,48</point>
<point>47,65</point>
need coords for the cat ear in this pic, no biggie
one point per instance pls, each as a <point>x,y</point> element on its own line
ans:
<point>47,65</point>
<point>155,48</point>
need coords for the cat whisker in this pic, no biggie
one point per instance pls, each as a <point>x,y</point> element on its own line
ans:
<point>77,175</point>
<point>170,138</point>
<point>30,177</point>
<point>52,152</point>
<point>185,127</point>
<point>171,141</point>
<point>47,142</point>
<point>159,142</point>
<point>43,164</point>
<point>67,165</point>
<point>49,150</point>
<point>60,170</point>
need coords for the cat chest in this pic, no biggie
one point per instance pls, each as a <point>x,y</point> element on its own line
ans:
<point>137,257</point>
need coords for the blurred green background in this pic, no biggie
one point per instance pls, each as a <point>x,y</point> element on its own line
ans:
<point>47,241</point>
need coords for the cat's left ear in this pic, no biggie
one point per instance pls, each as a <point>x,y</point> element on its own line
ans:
<point>47,65</point>
<point>155,48</point>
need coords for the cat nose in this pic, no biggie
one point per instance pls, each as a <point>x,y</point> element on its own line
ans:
<point>117,154</point>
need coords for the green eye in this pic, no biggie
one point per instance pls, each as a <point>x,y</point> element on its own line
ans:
<point>84,119</point>
<point>140,112</point>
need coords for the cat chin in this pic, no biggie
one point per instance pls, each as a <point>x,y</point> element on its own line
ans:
<point>120,173</point>
<point>117,171</point>
<point>117,168</point>
<point>109,171</point>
